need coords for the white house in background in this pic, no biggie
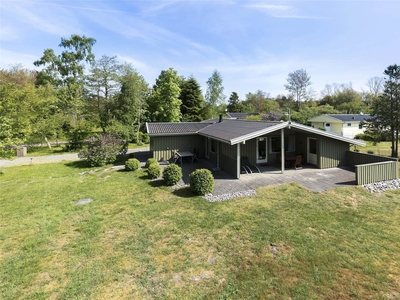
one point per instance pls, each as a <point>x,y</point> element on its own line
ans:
<point>346,125</point>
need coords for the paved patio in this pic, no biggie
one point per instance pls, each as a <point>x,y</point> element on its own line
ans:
<point>314,179</point>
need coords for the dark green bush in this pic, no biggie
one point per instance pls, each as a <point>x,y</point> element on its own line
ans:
<point>201,182</point>
<point>172,174</point>
<point>132,164</point>
<point>150,161</point>
<point>154,171</point>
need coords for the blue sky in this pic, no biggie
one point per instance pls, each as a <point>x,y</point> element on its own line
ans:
<point>253,44</point>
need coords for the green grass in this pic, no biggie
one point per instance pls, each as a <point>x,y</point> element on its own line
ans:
<point>382,148</point>
<point>44,150</point>
<point>55,150</point>
<point>141,240</point>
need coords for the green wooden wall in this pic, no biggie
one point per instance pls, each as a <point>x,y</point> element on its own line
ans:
<point>164,146</point>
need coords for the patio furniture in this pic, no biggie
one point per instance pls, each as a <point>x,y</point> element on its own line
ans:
<point>178,156</point>
<point>297,163</point>
<point>247,165</point>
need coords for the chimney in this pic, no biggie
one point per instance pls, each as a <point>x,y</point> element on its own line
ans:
<point>220,119</point>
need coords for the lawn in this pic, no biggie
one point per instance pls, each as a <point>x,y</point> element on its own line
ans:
<point>141,240</point>
<point>382,148</point>
<point>44,150</point>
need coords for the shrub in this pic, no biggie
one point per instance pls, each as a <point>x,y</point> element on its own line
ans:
<point>201,181</point>
<point>132,164</point>
<point>172,174</point>
<point>150,161</point>
<point>102,150</point>
<point>154,170</point>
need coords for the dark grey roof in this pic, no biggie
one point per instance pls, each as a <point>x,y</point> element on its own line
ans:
<point>350,117</point>
<point>175,128</point>
<point>229,130</point>
<point>233,131</point>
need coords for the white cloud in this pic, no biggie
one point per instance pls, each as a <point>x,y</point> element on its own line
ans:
<point>280,11</point>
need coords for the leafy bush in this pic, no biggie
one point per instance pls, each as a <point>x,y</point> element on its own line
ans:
<point>154,170</point>
<point>201,181</point>
<point>132,164</point>
<point>172,174</point>
<point>102,150</point>
<point>144,138</point>
<point>150,161</point>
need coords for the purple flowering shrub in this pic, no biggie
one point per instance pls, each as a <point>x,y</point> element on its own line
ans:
<point>272,116</point>
<point>103,149</point>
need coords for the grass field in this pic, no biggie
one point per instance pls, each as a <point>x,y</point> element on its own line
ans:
<point>44,150</point>
<point>141,240</point>
<point>382,148</point>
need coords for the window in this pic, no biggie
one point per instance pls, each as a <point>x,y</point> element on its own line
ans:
<point>349,124</point>
<point>213,146</point>
<point>360,126</point>
<point>275,143</point>
<point>327,124</point>
<point>313,146</point>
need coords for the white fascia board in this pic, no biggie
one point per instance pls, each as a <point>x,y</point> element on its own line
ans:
<point>327,134</point>
<point>258,133</point>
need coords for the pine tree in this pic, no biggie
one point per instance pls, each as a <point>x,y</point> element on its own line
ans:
<point>192,100</point>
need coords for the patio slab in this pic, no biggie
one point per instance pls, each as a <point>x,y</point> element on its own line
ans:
<point>316,180</point>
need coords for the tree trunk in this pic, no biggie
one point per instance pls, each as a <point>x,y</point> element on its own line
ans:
<point>47,142</point>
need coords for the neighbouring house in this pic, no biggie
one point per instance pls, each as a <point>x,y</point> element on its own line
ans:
<point>346,125</point>
<point>223,142</point>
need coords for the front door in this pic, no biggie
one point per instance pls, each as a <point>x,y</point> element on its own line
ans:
<point>312,151</point>
<point>262,150</point>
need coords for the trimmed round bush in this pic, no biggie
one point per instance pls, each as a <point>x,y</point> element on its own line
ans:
<point>132,164</point>
<point>201,181</point>
<point>154,170</point>
<point>172,174</point>
<point>150,161</point>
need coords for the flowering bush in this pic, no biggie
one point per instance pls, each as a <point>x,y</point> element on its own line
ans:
<point>272,116</point>
<point>103,149</point>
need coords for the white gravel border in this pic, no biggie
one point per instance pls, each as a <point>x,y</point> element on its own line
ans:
<point>382,186</point>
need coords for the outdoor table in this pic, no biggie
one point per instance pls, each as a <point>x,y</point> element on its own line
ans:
<point>185,154</point>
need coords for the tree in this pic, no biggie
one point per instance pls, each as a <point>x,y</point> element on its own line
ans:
<point>375,85</point>
<point>215,90</point>
<point>164,102</point>
<point>234,104</point>
<point>386,109</point>
<point>102,83</point>
<point>298,81</point>
<point>28,110</point>
<point>260,102</point>
<point>130,103</point>
<point>192,100</point>
<point>66,73</point>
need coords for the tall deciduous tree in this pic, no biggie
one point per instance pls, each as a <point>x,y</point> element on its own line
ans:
<point>386,109</point>
<point>130,103</point>
<point>164,102</point>
<point>376,85</point>
<point>215,91</point>
<point>66,72</point>
<point>234,104</point>
<point>102,83</point>
<point>297,83</point>
<point>192,100</point>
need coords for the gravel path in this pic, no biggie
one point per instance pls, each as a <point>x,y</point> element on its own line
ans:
<point>27,160</point>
